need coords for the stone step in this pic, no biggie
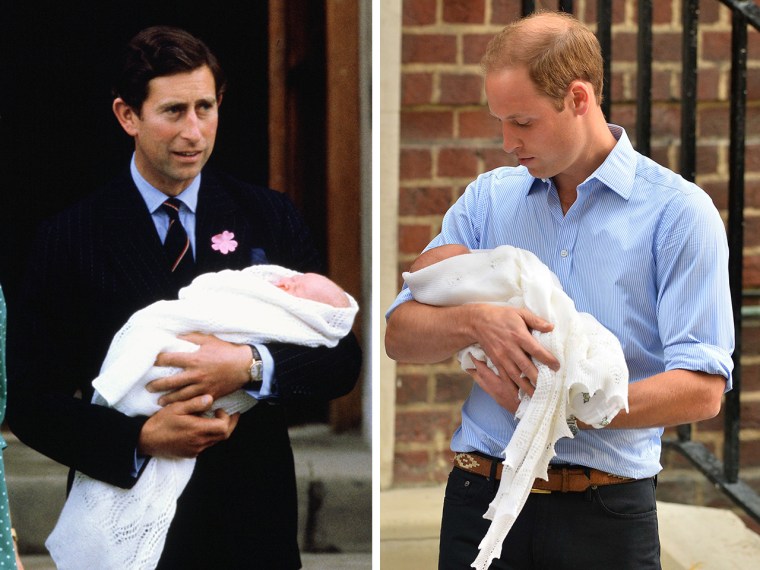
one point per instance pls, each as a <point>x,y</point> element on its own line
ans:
<point>334,478</point>
<point>690,537</point>
<point>350,561</point>
<point>333,474</point>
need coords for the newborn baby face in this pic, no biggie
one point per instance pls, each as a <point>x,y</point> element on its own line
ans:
<point>315,287</point>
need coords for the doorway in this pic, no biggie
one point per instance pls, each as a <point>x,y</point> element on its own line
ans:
<point>59,140</point>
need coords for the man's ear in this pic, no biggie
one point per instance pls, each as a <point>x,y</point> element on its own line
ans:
<point>219,99</point>
<point>581,96</point>
<point>126,116</point>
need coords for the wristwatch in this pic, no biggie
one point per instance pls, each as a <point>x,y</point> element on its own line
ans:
<point>256,371</point>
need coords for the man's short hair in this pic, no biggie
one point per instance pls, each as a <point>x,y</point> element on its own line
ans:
<point>160,51</point>
<point>555,48</point>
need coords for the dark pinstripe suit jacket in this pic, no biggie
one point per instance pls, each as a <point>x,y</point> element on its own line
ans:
<point>91,268</point>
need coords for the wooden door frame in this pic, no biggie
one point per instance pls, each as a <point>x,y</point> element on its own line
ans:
<point>342,143</point>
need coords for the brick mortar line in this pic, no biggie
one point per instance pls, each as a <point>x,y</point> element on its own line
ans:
<point>462,68</point>
<point>439,182</point>
<point>457,30</point>
<point>452,29</point>
<point>750,435</point>
<point>443,107</point>
<point>459,144</point>
<point>455,143</point>
<point>703,105</point>
<point>751,397</point>
<point>720,144</point>
<point>429,219</point>
<point>438,66</point>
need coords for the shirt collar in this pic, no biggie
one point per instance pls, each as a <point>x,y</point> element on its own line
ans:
<point>154,197</point>
<point>618,170</point>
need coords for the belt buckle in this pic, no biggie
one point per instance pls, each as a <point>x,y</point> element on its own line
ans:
<point>466,461</point>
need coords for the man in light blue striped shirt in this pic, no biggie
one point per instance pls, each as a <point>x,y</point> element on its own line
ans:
<point>632,243</point>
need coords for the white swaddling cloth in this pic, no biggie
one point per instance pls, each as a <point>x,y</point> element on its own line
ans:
<point>591,384</point>
<point>103,526</point>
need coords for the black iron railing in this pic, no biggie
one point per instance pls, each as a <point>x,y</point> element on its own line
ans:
<point>724,474</point>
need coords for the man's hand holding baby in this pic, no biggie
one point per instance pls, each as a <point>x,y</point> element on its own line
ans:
<point>504,334</point>
<point>217,368</point>
<point>178,430</point>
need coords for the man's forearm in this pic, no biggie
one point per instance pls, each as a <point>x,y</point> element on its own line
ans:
<point>424,334</point>
<point>672,398</point>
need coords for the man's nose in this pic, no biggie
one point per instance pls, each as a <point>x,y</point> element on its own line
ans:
<point>510,143</point>
<point>191,129</point>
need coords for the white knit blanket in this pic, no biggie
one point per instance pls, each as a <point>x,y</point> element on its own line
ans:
<point>105,527</point>
<point>591,384</point>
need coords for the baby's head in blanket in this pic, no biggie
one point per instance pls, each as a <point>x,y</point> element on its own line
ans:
<point>436,254</point>
<point>315,287</point>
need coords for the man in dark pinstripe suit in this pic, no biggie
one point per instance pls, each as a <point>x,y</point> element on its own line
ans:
<point>101,260</point>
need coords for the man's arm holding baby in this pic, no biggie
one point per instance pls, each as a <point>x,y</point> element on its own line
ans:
<point>219,368</point>
<point>216,369</point>
<point>425,334</point>
<point>671,398</point>
<point>178,429</point>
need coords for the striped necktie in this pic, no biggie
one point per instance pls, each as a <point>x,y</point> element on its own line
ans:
<point>177,244</point>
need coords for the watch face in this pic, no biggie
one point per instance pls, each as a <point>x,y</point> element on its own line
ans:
<point>256,371</point>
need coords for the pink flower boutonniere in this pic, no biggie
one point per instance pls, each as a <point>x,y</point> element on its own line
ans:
<point>224,242</point>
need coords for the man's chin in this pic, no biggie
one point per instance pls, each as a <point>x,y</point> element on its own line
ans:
<point>188,172</point>
<point>535,172</point>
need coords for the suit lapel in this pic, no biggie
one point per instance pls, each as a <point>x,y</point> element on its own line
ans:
<point>131,241</point>
<point>132,246</point>
<point>218,212</point>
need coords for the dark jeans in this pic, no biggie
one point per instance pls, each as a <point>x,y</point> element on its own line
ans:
<point>614,526</point>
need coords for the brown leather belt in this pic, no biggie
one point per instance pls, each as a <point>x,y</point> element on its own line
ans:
<point>561,479</point>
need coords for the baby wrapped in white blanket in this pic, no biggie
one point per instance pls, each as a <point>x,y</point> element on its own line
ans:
<point>591,384</point>
<point>105,527</point>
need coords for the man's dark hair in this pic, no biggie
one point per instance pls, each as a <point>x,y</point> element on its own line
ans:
<point>157,52</point>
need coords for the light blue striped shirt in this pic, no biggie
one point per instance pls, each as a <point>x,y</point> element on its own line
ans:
<point>642,250</point>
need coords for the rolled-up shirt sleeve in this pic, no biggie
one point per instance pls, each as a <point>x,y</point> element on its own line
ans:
<point>695,314</point>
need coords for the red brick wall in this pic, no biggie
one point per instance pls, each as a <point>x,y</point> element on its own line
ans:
<point>448,137</point>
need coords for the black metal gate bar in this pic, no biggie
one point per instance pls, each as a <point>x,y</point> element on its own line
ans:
<point>739,492</point>
<point>690,21</point>
<point>528,7</point>
<point>687,158</point>
<point>566,6</point>
<point>644,79</point>
<point>604,35</point>
<point>748,9</point>
<point>726,474</point>
<point>736,231</point>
